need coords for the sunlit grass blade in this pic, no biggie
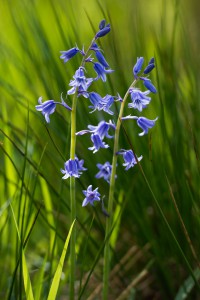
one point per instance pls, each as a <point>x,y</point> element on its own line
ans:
<point>49,215</point>
<point>56,279</point>
<point>40,281</point>
<point>26,277</point>
<point>116,220</point>
<point>187,287</point>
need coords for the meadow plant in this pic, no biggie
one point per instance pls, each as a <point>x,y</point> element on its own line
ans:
<point>81,86</point>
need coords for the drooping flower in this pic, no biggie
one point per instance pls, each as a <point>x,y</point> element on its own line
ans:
<point>101,59</point>
<point>143,123</point>
<point>149,85</point>
<point>48,107</point>
<point>97,143</point>
<point>137,67</point>
<point>101,129</point>
<point>104,171</point>
<point>97,134</point>
<point>99,103</point>
<point>101,71</point>
<point>91,196</point>
<point>80,83</point>
<point>105,30</point>
<point>66,55</point>
<point>129,158</point>
<point>139,99</point>
<point>73,167</point>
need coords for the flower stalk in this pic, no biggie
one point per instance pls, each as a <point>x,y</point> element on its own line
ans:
<point>73,200</point>
<point>109,221</point>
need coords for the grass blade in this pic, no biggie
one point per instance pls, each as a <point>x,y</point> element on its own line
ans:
<point>56,279</point>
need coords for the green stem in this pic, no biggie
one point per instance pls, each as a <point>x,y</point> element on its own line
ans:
<point>73,200</point>
<point>73,189</point>
<point>109,221</point>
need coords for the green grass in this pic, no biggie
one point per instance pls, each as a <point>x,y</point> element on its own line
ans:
<point>149,258</point>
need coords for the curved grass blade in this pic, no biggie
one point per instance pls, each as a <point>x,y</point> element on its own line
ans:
<point>56,280</point>
<point>27,281</point>
<point>187,286</point>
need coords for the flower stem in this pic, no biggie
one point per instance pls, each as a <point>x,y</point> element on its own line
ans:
<point>73,200</point>
<point>109,221</point>
<point>73,189</point>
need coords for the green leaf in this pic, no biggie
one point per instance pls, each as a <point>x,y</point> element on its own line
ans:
<point>27,281</point>
<point>56,280</point>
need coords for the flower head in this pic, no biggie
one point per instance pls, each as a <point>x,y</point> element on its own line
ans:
<point>48,107</point>
<point>104,171</point>
<point>129,158</point>
<point>101,71</point>
<point>139,99</point>
<point>80,83</point>
<point>91,196</point>
<point>73,167</point>
<point>66,55</point>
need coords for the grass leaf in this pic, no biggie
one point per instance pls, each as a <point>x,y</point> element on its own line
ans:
<point>56,279</point>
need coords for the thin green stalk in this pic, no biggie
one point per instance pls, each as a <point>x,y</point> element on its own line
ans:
<point>73,189</point>
<point>109,221</point>
<point>73,199</point>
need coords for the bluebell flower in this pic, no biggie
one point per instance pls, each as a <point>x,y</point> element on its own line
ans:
<point>97,143</point>
<point>99,103</point>
<point>99,55</point>
<point>101,71</point>
<point>66,55</point>
<point>138,66</point>
<point>104,171</point>
<point>143,123</point>
<point>106,103</point>
<point>150,66</point>
<point>139,99</point>
<point>48,107</point>
<point>80,83</point>
<point>129,158</point>
<point>91,196</point>
<point>73,167</point>
<point>95,99</point>
<point>148,84</point>
<point>97,134</point>
<point>105,30</point>
<point>102,24</point>
<point>101,129</point>
<point>101,59</point>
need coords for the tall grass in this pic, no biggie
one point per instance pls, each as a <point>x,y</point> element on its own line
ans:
<point>147,262</point>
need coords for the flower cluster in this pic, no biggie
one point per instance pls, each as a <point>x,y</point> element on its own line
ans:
<point>81,85</point>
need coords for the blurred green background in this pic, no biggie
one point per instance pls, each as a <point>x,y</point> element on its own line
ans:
<point>151,265</point>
